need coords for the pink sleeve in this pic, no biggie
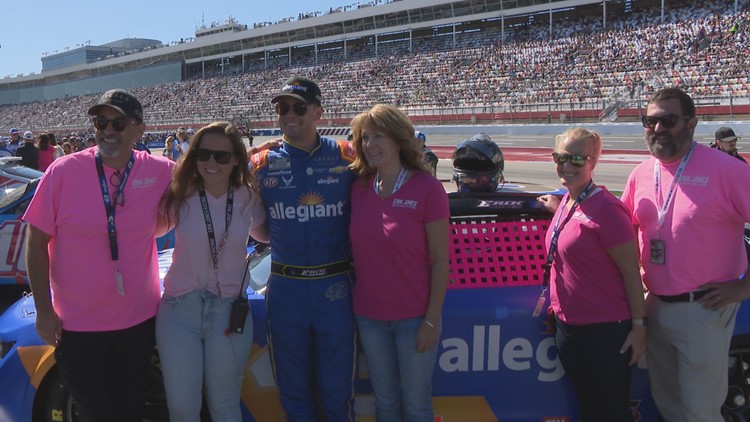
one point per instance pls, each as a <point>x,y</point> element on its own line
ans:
<point>42,209</point>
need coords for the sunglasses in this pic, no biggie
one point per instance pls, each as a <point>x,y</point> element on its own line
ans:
<point>299,109</point>
<point>119,124</point>
<point>668,121</point>
<point>575,159</point>
<point>221,157</point>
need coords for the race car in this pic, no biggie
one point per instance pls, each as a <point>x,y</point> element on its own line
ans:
<point>495,361</point>
<point>17,186</point>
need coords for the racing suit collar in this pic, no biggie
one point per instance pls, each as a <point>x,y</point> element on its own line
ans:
<point>293,148</point>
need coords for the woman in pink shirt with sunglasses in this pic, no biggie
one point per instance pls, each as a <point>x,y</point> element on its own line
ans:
<point>595,284</point>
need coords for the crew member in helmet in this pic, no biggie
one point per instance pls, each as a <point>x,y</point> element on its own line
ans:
<point>478,165</point>
<point>429,157</point>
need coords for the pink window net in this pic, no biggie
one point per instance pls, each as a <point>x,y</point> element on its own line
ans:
<point>488,252</point>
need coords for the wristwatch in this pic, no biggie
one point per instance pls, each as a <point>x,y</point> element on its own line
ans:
<point>640,321</point>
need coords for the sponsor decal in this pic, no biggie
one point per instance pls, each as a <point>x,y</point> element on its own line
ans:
<point>294,87</point>
<point>318,272</point>
<point>287,182</point>
<point>330,180</point>
<point>483,352</point>
<point>310,206</point>
<point>279,163</point>
<point>694,180</point>
<point>326,160</point>
<point>404,203</point>
<point>580,216</point>
<point>337,291</point>
<point>270,182</point>
<point>144,183</point>
<point>278,173</point>
<point>501,204</point>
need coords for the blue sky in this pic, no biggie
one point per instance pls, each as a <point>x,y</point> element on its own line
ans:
<point>31,28</point>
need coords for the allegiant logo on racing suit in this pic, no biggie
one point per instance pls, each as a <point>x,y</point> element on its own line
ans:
<point>311,206</point>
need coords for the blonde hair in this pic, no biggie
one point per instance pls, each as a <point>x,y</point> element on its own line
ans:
<point>396,125</point>
<point>592,139</point>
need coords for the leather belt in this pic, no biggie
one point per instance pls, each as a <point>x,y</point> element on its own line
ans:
<point>684,297</point>
<point>320,271</point>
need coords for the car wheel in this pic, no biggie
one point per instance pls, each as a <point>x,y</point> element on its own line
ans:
<point>53,402</point>
<point>737,404</point>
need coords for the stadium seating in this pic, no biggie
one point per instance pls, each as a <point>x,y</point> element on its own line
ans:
<point>702,47</point>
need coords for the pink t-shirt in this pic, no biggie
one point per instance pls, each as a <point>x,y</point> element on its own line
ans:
<point>586,287</point>
<point>192,265</point>
<point>703,228</point>
<point>46,157</point>
<point>389,246</point>
<point>68,205</point>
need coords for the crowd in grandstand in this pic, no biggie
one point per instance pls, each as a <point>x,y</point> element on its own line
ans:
<point>702,47</point>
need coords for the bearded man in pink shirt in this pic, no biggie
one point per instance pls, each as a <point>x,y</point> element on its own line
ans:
<point>92,265</point>
<point>689,204</point>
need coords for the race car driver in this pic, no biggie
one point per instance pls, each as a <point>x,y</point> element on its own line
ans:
<point>478,165</point>
<point>305,184</point>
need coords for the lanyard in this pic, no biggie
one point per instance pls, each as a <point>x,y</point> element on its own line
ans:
<point>215,252</point>
<point>110,208</point>
<point>399,181</point>
<point>672,186</point>
<point>556,229</point>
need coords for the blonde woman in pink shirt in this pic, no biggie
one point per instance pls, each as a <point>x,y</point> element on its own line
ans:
<point>595,285</point>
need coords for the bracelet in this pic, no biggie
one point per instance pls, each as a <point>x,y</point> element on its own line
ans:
<point>640,321</point>
<point>429,324</point>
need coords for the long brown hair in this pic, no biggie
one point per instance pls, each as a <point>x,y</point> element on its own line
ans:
<point>187,179</point>
<point>44,141</point>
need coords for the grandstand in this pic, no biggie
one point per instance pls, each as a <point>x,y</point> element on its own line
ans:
<point>442,61</point>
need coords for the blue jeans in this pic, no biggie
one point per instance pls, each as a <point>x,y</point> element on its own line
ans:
<point>399,375</point>
<point>194,349</point>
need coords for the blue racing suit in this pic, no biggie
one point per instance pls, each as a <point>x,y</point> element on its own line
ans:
<point>309,310</point>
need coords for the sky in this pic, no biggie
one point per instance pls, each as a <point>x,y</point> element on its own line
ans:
<point>31,28</point>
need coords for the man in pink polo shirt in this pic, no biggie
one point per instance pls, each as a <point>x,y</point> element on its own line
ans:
<point>689,203</point>
<point>92,262</point>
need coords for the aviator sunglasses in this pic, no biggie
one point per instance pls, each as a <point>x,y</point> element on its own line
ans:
<point>221,157</point>
<point>575,159</point>
<point>119,124</point>
<point>299,109</point>
<point>668,121</point>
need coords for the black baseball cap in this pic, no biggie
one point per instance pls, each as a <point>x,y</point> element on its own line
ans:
<point>300,88</point>
<point>725,134</point>
<point>122,101</point>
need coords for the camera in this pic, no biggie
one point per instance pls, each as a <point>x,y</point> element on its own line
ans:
<point>240,310</point>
